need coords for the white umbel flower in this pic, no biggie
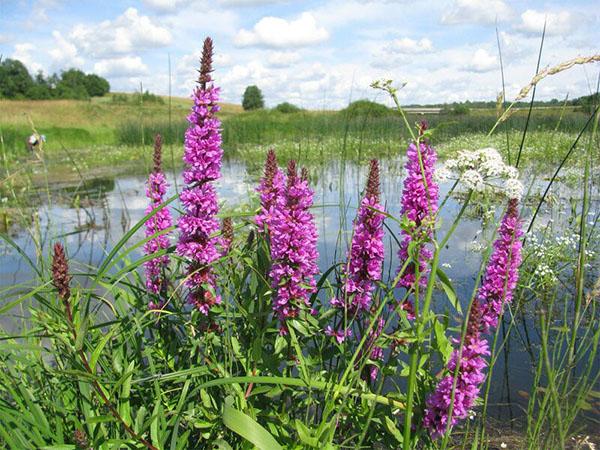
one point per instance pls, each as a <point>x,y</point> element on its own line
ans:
<point>513,188</point>
<point>473,180</point>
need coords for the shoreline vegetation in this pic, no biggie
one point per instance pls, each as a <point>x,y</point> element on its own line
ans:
<point>118,129</point>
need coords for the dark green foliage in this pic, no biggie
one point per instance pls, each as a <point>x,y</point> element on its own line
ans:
<point>96,86</point>
<point>253,98</point>
<point>456,109</point>
<point>366,108</point>
<point>146,97</point>
<point>17,83</point>
<point>287,108</point>
<point>15,80</point>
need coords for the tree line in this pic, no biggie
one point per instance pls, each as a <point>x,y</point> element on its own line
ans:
<point>17,83</point>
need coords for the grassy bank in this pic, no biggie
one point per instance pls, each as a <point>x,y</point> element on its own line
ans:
<point>78,124</point>
<point>115,133</point>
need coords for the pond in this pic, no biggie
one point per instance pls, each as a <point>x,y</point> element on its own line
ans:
<point>90,216</point>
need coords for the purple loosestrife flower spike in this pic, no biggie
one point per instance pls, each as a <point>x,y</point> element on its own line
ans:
<point>366,251</point>
<point>471,364</point>
<point>60,272</point>
<point>271,190</point>
<point>499,282</point>
<point>293,249</point>
<point>502,272</point>
<point>419,205</point>
<point>156,188</point>
<point>202,155</point>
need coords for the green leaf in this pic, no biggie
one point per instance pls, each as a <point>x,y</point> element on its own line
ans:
<point>393,429</point>
<point>305,434</point>
<point>249,429</point>
<point>449,289</point>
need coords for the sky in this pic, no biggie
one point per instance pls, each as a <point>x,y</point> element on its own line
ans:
<point>316,54</point>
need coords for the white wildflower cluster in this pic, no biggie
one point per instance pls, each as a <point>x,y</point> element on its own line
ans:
<point>477,169</point>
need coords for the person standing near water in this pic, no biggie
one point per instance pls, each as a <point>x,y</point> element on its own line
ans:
<point>34,141</point>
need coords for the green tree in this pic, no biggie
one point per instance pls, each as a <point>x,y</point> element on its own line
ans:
<point>366,108</point>
<point>287,108</point>
<point>96,86</point>
<point>252,99</point>
<point>15,79</point>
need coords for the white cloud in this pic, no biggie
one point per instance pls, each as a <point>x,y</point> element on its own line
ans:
<point>247,2</point>
<point>482,61</point>
<point>127,66</point>
<point>477,12</point>
<point>23,53</point>
<point>561,22</point>
<point>409,46</point>
<point>39,11</point>
<point>64,54</point>
<point>165,5</point>
<point>282,59</point>
<point>279,33</point>
<point>4,38</point>
<point>127,33</point>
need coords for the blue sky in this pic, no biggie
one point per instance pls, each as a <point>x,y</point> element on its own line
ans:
<point>317,54</point>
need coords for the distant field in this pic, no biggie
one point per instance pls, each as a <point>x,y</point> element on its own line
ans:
<point>108,133</point>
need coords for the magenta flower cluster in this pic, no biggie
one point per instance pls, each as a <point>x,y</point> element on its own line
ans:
<point>499,282</point>
<point>202,155</point>
<point>271,190</point>
<point>156,189</point>
<point>502,272</point>
<point>365,257</point>
<point>419,205</point>
<point>294,254</point>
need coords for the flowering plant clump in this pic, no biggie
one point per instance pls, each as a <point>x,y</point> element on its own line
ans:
<point>262,347</point>
<point>481,170</point>
<point>202,156</point>
<point>156,188</point>
<point>419,206</point>
<point>293,248</point>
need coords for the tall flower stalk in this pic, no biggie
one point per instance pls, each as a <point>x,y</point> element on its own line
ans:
<point>271,190</point>
<point>456,393</point>
<point>419,206</point>
<point>365,256</point>
<point>202,155</point>
<point>293,248</point>
<point>156,189</point>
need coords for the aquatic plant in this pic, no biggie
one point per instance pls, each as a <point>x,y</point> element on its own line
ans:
<point>365,256</point>
<point>271,190</point>
<point>202,155</point>
<point>293,248</point>
<point>156,189</point>
<point>456,393</point>
<point>419,206</point>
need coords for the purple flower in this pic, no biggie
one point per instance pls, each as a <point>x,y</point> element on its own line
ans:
<point>366,252</point>
<point>375,352</point>
<point>271,190</point>
<point>293,248</point>
<point>471,364</point>
<point>419,206</point>
<point>497,288</point>
<point>502,272</point>
<point>202,155</point>
<point>156,188</point>
<point>339,335</point>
